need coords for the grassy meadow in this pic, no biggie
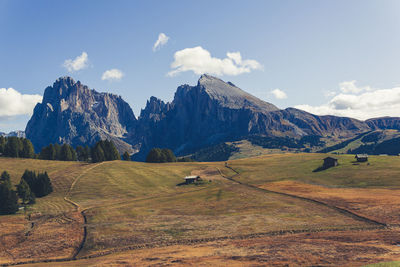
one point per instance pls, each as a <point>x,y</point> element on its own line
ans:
<point>132,203</point>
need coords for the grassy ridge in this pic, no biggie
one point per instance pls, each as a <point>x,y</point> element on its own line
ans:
<point>382,171</point>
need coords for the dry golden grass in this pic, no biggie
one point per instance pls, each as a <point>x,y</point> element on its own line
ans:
<point>137,204</point>
<point>355,248</point>
<point>42,237</point>
<point>377,204</point>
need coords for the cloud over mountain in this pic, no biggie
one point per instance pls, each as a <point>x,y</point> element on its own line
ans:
<point>199,60</point>
<point>112,75</point>
<point>13,103</point>
<point>79,63</point>
<point>279,94</point>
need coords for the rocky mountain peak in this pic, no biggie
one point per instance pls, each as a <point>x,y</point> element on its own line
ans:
<point>72,113</point>
<point>231,96</point>
<point>154,110</point>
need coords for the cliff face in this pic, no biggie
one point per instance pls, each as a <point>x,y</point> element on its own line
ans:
<point>72,113</point>
<point>211,112</point>
<point>214,111</point>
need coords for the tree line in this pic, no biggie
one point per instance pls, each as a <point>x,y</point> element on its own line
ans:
<point>31,185</point>
<point>16,147</point>
<point>103,150</point>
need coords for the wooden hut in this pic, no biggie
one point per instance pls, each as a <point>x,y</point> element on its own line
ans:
<point>191,179</point>
<point>361,157</point>
<point>330,162</point>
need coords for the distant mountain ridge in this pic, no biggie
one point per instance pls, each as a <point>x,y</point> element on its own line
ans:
<point>13,133</point>
<point>211,112</point>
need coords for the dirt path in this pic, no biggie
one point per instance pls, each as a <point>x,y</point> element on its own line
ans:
<point>79,209</point>
<point>340,210</point>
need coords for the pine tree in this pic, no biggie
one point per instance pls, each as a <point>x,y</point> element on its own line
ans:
<point>80,151</point>
<point>126,156</point>
<point>52,152</point>
<point>57,149</point>
<point>27,150</point>
<point>5,177</point>
<point>112,152</point>
<point>24,192</point>
<point>2,144</point>
<point>66,153</point>
<point>12,147</point>
<point>87,153</point>
<point>8,199</point>
<point>98,153</point>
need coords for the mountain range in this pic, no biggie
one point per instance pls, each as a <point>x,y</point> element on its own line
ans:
<point>200,116</point>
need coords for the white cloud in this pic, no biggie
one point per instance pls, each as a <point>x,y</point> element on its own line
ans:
<point>199,60</point>
<point>79,63</point>
<point>161,41</point>
<point>279,94</point>
<point>369,104</point>
<point>112,75</point>
<point>13,103</point>
<point>350,87</point>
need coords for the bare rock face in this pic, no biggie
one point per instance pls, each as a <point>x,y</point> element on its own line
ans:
<point>72,113</point>
<point>215,111</point>
<point>211,112</point>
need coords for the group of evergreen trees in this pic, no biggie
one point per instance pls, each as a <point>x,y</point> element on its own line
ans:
<point>32,185</point>
<point>16,147</point>
<point>103,150</point>
<point>160,155</point>
<point>64,152</point>
<point>39,183</point>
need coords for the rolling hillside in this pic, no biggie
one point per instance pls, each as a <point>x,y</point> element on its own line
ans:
<point>114,207</point>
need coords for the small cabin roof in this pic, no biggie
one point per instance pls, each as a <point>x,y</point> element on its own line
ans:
<point>361,156</point>
<point>191,177</point>
<point>330,158</point>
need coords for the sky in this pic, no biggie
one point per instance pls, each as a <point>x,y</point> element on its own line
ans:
<point>327,57</point>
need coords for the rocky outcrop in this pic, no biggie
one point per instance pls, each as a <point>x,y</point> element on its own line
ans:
<point>211,112</point>
<point>72,113</point>
<point>214,111</point>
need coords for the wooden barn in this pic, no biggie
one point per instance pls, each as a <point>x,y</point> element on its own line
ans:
<point>192,179</point>
<point>330,162</point>
<point>361,157</point>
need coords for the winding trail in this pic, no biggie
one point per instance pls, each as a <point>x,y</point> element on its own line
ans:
<point>79,209</point>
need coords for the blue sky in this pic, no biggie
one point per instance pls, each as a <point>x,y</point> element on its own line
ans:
<point>327,57</point>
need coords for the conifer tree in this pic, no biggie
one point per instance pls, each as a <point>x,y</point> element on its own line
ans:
<point>65,153</point>
<point>8,197</point>
<point>2,144</point>
<point>24,192</point>
<point>12,147</point>
<point>126,156</point>
<point>98,153</point>
<point>27,150</point>
<point>5,177</point>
